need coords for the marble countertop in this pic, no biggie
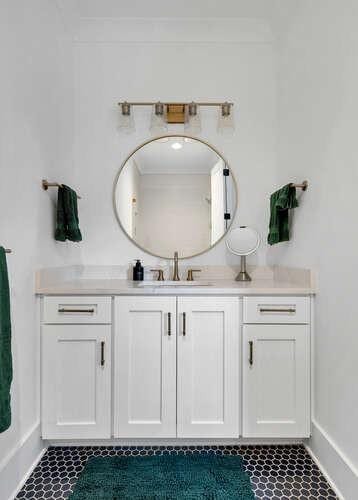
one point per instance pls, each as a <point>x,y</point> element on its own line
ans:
<point>78,280</point>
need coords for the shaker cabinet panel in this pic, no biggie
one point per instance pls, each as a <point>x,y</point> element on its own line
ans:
<point>76,381</point>
<point>145,367</point>
<point>276,387</point>
<point>208,367</point>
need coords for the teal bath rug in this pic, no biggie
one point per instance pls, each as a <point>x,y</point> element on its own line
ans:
<point>164,477</point>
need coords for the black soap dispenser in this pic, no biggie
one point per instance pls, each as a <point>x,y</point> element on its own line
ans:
<point>138,271</point>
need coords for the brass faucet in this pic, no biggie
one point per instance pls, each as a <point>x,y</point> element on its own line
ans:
<point>176,268</point>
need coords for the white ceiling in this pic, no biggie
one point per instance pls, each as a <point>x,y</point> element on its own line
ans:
<point>160,158</point>
<point>175,9</point>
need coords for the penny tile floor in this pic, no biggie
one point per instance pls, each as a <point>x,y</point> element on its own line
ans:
<point>276,472</point>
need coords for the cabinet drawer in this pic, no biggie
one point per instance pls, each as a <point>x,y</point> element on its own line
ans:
<point>77,310</point>
<point>276,310</point>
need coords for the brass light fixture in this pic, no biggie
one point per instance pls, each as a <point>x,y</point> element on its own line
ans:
<point>158,124</point>
<point>193,123</point>
<point>187,113</point>
<point>126,123</point>
<point>226,119</point>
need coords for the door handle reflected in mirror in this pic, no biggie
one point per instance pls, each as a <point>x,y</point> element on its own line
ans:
<point>184,324</point>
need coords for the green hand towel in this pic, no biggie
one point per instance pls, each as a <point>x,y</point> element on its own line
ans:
<point>5,345</point>
<point>67,227</point>
<point>280,202</point>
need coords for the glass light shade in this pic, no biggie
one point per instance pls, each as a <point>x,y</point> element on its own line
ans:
<point>226,124</point>
<point>157,123</point>
<point>126,120</point>
<point>193,122</point>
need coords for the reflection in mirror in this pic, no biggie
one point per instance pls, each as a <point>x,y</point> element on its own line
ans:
<point>175,194</point>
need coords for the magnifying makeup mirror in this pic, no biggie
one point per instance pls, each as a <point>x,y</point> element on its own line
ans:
<point>243,241</point>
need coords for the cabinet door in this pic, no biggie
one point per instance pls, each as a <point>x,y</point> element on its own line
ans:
<point>76,381</point>
<point>276,390</point>
<point>145,367</point>
<point>208,367</point>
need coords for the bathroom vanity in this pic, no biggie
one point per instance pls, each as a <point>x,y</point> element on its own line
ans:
<point>217,360</point>
<point>177,360</point>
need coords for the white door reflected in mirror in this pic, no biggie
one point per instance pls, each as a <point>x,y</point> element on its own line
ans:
<point>243,241</point>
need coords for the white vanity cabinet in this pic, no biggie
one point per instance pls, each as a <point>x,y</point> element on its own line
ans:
<point>76,368</point>
<point>276,367</point>
<point>176,367</point>
<point>145,367</point>
<point>208,367</point>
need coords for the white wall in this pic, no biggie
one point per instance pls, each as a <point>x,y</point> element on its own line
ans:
<point>36,124</point>
<point>318,126</point>
<point>171,59</point>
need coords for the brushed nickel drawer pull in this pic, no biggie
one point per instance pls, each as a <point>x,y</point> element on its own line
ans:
<point>64,310</point>
<point>169,324</point>
<point>184,324</point>
<point>102,354</point>
<point>251,355</point>
<point>280,310</point>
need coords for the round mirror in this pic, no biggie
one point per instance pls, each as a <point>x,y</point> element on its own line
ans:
<point>243,241</point>
<point>175,193</point>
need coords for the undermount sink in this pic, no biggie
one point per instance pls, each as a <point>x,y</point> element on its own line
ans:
<point>172,284</point>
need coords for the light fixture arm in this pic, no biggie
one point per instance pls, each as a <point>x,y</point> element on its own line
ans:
<point>151,103</point>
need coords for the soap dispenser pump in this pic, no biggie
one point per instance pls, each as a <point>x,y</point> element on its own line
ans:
<point>138,271</point>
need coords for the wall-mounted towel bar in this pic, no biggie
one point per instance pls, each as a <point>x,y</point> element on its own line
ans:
<point>302,186</point>
<point>46,184</point>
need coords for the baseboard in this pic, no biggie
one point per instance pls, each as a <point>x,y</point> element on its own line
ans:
<point>172,442</point>
<point>19,464</point>
<point>336,467</point>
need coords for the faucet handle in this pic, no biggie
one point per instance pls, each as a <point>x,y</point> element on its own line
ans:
<point>190,274</point>
<point>160,274</point>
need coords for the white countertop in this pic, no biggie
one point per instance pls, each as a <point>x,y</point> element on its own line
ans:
<point>75,281</point>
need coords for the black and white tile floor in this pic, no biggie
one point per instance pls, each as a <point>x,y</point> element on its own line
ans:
<point>276,472</point>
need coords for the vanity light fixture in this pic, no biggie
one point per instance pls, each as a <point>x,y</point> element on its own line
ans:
<point>158,124</point>
<point>226,119</point>
<point>187,113</point>
<point>193,122</point>
<point>126,122</point>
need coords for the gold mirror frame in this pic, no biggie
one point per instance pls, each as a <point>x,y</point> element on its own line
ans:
<point>130,156</point>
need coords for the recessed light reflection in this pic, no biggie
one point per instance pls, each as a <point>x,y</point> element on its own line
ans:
<point>177,145</point>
